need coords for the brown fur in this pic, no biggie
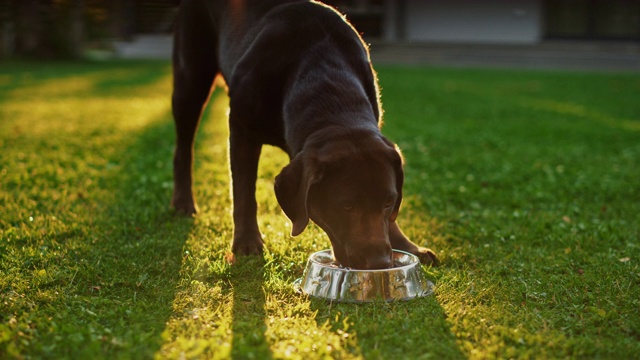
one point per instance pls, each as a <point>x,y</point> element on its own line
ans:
<point>299,77</point>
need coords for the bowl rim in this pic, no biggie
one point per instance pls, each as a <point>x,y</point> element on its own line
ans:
<point>415,261</point>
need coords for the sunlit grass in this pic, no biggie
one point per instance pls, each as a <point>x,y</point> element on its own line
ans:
<point>525,183</point>
<point>248,310</point>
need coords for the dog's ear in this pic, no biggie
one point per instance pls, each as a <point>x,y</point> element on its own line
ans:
<point>292,188</point>
<point>398,163</point>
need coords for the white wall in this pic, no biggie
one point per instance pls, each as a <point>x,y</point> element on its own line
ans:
<point>469,21</point>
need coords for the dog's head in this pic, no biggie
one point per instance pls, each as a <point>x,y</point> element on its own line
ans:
<point>351,186</point>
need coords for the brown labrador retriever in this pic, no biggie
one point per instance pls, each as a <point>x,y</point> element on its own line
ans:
<point>298,77</point>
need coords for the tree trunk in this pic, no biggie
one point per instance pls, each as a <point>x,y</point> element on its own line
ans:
<point>28,27</point>
<point>76,36</point>
<point>44,28</point>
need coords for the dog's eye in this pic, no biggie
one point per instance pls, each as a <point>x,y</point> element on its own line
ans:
<point>347,206</point>
<point>391,201</point>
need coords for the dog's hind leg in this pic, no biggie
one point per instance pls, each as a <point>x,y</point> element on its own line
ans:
<point>194,69</point>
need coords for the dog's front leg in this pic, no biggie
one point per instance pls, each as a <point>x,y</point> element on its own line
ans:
<point>244,153</point>
<point>400,242</point>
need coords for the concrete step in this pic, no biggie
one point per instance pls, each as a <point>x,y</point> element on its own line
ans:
<point>546,55</point>
<point>623,56</point>
<point>145,47</point>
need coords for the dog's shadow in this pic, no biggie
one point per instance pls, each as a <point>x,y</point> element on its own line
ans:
<point>248,310</point>
<point>416,326</point>
<point>131,268</point>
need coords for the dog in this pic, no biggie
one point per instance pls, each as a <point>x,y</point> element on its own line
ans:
<point>299,77</point>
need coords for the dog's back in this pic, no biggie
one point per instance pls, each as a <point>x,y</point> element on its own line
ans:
<point>300,78</point>
<point>301,63</point>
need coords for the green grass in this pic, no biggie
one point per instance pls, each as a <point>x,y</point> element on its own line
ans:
<point>525,183</point>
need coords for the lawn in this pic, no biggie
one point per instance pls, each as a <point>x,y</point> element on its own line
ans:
<point>526,183</point>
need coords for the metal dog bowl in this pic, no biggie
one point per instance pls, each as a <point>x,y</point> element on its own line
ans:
<point>324,279</point>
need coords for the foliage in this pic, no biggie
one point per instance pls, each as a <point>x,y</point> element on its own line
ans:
<point>58,29</point>
<point>525,183</point>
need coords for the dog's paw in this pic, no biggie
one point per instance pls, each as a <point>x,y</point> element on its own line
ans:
<point>184,207</point>
<point>427,256</point>
<point>242,247</point>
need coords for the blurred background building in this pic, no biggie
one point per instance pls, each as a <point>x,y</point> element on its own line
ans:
<point>495,21</point>
<point>486,32</point>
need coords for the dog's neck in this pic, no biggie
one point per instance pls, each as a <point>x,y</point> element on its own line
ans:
<point>331,97</point>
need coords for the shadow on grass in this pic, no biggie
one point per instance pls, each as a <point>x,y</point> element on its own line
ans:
<point>417,328</point>
<point>418,325</point>
<point>132,266</point>
<point>110,250</point>
<point>248,313</point>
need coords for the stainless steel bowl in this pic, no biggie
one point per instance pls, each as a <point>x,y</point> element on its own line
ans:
<point>324,279</point>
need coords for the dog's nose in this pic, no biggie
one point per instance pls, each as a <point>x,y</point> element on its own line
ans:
<point>372,255</point>
<point>378,262</point>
